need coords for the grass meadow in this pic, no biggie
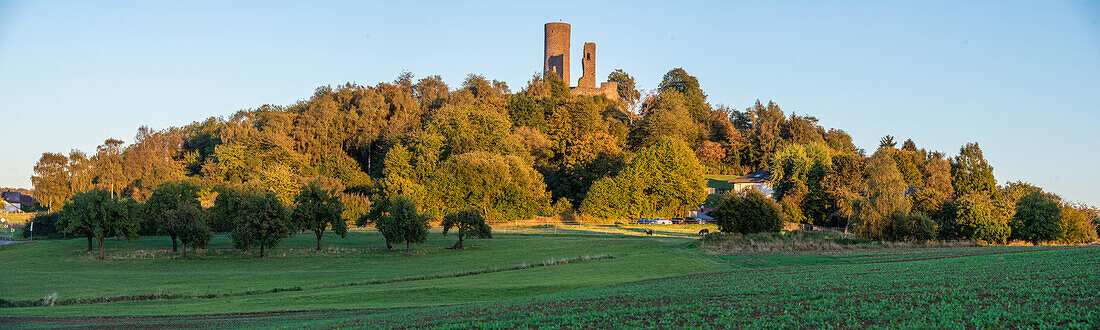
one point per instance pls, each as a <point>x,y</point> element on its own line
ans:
<point>572,276</point>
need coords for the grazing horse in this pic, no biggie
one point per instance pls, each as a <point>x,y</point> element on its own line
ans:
<point>649,232</point>
<point>704,232</point>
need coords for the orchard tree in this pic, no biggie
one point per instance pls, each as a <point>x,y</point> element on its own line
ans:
<point>188,221</point>
<point>402,223</point>
<point>102,214</point>
<point>318,208</point>
<point>884,197</point>
<point>748,212</point>
<point>166,197</point>
<point>469,223</point>
<point>76,224</point>
<point>261,221</point>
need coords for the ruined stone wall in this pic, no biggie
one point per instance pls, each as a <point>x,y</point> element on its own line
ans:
<point>609,90</point>
<point>588,66</point>
<point>556,55</point>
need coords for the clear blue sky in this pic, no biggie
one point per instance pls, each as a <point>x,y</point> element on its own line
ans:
<point>1020,78</point>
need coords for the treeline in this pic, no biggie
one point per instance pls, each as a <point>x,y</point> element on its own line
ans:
<point>536,151</point>
<point>509,155</point>
<point>906,194</point>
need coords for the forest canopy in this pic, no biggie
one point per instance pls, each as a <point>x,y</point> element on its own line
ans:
<point>540,150</point>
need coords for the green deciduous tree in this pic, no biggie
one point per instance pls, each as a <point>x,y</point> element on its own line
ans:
<point>188,221</point>
<point>970,173</point>
<point>798,173</point>
<point>976,218</point>
<point>101,214</point>
<point>260,221</point>
<point>469,223</point>
<point>1038,218</point>
<point>843,183</point>
<point>663,179</point>
<point>667,115</point>
<point>167,196</point>
<point>402,222</point>
<point>318,208</point>
<point>1079,224</point>
<point>748,212</point>
<point>678,81</point>
<point>884,197</point>
<point>505,188</point>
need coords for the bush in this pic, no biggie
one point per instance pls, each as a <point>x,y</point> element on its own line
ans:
<point>912,226</point>
<point>45,226</point>
<point>748,212</point>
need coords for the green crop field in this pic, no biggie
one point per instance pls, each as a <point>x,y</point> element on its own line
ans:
<point>611,277</point>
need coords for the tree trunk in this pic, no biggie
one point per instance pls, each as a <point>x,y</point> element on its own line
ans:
<point>458,246</point>
<point>406,247</point>
<point>388,245</point>
<point>319,233</point>
<point>100,248</point>
<point>89,243</point>
<point>261,251</point>
<point>174,243</point>
<point>184,252</point>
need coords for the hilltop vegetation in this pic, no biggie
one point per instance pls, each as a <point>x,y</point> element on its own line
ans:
<point>540,151</point>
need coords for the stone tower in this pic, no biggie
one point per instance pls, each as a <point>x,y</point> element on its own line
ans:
<point>588,66</point>
<point>556,56</point>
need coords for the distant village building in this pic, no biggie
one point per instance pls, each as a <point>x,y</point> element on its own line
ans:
<point>13,202</point>
<point>10,207</point>
<point>12,196</point>
<point>756,180</point>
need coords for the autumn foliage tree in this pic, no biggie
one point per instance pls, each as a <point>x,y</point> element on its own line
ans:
<point>884,197</point>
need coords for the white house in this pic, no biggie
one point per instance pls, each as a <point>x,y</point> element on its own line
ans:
<point>756,180</point>
<point>10,207</point>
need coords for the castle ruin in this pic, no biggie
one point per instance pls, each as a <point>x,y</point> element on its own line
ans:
<point>556,62</point>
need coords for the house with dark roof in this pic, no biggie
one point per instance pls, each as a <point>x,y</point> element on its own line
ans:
<point>12,196</point>
<point>755,180</point>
